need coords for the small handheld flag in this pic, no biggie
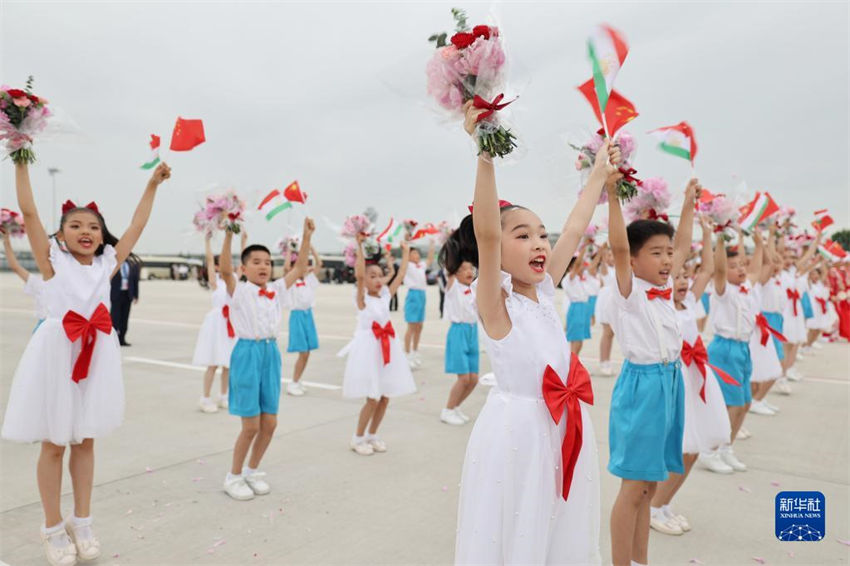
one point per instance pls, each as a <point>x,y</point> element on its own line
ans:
<point>154,160</point>
<point>273,204</point>
<point>187,134</point>
<point>822,221</point>
<point>392,234</point>
<point>607,50</point>
<point>618,111</point>
<point>678,140</point>
<point>293,193</point>
<point>755,212</point>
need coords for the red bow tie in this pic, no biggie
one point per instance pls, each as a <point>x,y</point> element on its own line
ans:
<point>659,293</point>
<point>778,283</point>
<point>822,303</point>
<point>300,284</point>
<point>794,295</point>
<point>698,355</point>
<point>76,326</point>
<point>266,293</point>
<point>743,290</point>
<point>767,330</point>
<point>225,312</point>
<point>559,396</point>
<point>469,292</point>
<point>384,334</point>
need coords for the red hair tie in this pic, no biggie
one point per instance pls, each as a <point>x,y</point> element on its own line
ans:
<point>69,205</point>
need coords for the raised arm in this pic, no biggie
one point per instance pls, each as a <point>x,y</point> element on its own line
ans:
<point>618,239</point>
<point>593,268</point>
<point>578,265</point>
<point>706,260</point>
<point>225,263</point>
<point>300,267</point>
<point>317,260</point>
<point>388,257</point>
<point>754,268</point>
<point>405,259</point>
<point>11,259</point>
<point>803,264</point>
<point>360,272</point>
<point>604,171</point>
<point>210,261</point>
<point>720,267</point>
<point>140,217</point>
<point>685,231</point>
<point>39,242</point>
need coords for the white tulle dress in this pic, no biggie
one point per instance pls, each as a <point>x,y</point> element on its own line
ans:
<point>214,345</point>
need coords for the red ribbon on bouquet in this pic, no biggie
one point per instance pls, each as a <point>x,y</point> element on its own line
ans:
<point>77,326</point>
<point>628,175</point>
<point>225,312</point>
<point>559,396</point>
<point>698,355</point>
<point>767,330</point>
<point>384,333</point>
<point>490,107</point>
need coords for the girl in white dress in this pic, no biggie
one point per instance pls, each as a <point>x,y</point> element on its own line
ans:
<point>68,387</point>
<point>377,368</point>
<point>706,419</point>
<point>530,483</point>
<point>603,310</point>
<point>216,337</point>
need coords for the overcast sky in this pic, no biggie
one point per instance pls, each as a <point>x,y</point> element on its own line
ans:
<point>334,95</point>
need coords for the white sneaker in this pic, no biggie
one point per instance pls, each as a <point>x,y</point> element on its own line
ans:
<point>222,402</point>
<point>237,488</point>
<point>59,549</point>
<point>783,387</point>
<point>411,361</point>
<point>207,405</point>
<point>712,462</point>
<point>793,374</point>
<point>682,521</point>
<point>760,408</point>
<point>448,416</point>
<point>256,482</point>
<point>606,369</point>
<point>808,350</point>
<point>378,445</point>
<point>800,354</point>
<point>744,433</point>
<point>728,456</point>
<point>665,525</point>
<point>770,406</point>
<point>417,359</point>
<point>362,448</point>
<point>488,379</point>
<point>294,389</point>
<point>88,547</point>
<point>817,345</point>
<point>462,415</point>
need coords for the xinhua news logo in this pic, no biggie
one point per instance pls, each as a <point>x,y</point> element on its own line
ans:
<point>800,516</point>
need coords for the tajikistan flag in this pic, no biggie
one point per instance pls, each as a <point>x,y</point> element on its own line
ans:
<point>154,160</point>
<point>677,140</point>
<point>607,50</point>
<point>273,204</point>
<point>392,234</point>
<point>755,212</point>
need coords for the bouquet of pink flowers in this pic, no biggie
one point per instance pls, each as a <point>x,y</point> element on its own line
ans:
<point>370,249</point>
<point>410,227</point>
<point>591,231</point>
<point>23,115</point>
<point>355,224</point>
<point>650,202</point>
<point>444,230</point>
<point>11,223</point>
<point>471,67</point>
<point>628,185</point>
<point>785,217</point>
<point>289,245</point>
<point>220,212</point>
<point>721,210</point>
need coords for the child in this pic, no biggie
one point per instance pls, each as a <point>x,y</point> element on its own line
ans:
<point>33,282</point>
<point>603,310</point>
<point>823,318</point>
<point>734,306</point>
<point>302,328</point>
<point>216,337</point>
<point>794,324</point>
<point>530,483</point>
<point>646,421</point>
<point>68,387</point>
<point>462,350</point>
<point>376,367</point>
<point>592,284</point>
<point>706,419</point>
<point>256,309</point>
<point>414,303</point>
<point>578,315</point>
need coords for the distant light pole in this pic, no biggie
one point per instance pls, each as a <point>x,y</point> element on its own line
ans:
<point>53,171</point>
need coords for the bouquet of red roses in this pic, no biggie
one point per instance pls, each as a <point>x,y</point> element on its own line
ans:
<point>22,116</point>
<point>471,67</point>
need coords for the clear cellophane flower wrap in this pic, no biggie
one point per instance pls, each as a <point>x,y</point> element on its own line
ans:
<point>371,248</point>
<point>12,223</point>
<point>288,246</point>
<point>223,211</point>
<point>471,65</point>
<point>627,187</point>
<point>23,115</point>
<point>650,202</point>
<point>722,212</point>
<point>354,225</point>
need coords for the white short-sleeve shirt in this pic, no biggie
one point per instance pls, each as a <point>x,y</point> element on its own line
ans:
<point>459,305</point>
<point>302,294</point>
<point>733,313</point>
<point>255,316</point>
<point>414,277</point>
<point>647,330</point>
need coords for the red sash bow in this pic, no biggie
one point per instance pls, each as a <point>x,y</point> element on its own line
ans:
<point>697,354</point>
<point>822,303</point>
<point>659,293</point>
<point>384,334</point>
<point>794,295</point>
<point>489,107</point>
<point>76,326</point>
<point>266,293</point>
<point>767,330</point>
<point>559,396</point>
<point>225,312</point>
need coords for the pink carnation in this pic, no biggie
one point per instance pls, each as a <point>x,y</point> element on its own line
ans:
<point>484,59</point>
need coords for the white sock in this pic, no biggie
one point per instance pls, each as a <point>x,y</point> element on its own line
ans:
<point>246,471</point>
<point>358,439</point>
<point>206,400</point>
<point>654,511</point>
<point>667,511</point>
<point>82,527</point>
<point>637,563</point>
<point>231,477</point>
<point>56,535</point>
<point>370,436</point>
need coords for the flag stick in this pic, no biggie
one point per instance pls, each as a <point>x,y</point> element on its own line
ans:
<point>605,129</point>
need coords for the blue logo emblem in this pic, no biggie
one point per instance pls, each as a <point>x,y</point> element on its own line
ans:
<point>800,516</point>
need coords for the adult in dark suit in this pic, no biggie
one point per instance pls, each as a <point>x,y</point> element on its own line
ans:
<point>125,292</point>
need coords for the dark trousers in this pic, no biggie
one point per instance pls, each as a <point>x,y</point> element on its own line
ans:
<point>121,314</point>
<point>394,303</point>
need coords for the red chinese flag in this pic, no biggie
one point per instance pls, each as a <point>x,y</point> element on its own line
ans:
<point>618,112</point>
<point>187,135</point>
<point>293,193</point>
<point>821,223</point>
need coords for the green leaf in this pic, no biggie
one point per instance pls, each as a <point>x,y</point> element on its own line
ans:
<point>460,19</point>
